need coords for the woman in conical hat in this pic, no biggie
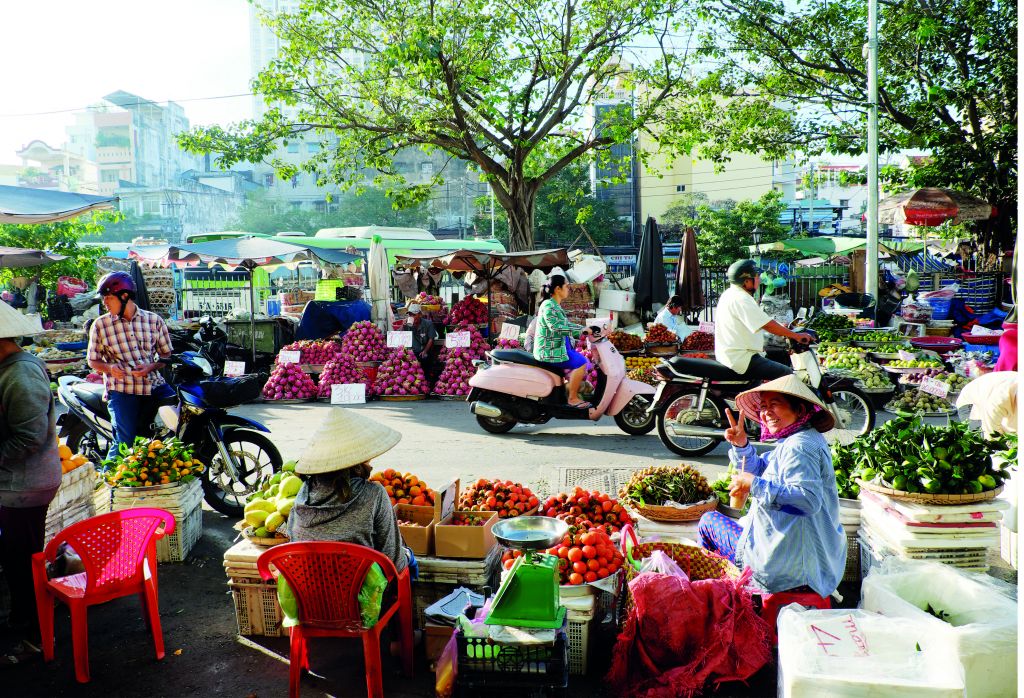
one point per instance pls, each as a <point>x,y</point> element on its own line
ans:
<point>791,538</point>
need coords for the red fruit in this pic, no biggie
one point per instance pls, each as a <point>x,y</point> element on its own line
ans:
<point>579,567</point>
<point>590,576</point>
<point>590,539</point>
<point>509,563</point>
<point>589,551</point>
<point>606,505</point>
<point>575,578</point>
<point>602,573</point>
<point>551,512</point>
<point>593,565</point>
<point>574,554</point>
<point>563,551</point>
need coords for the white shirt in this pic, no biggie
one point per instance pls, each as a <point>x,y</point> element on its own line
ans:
<point>738,323</point>
<point>674,322</point>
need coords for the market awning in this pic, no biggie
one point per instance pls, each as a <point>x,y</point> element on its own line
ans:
<point>815,246</point>
<point>28,206</point>
<point>483,262</point>
<point>247,252</point>
<point>18,257</point>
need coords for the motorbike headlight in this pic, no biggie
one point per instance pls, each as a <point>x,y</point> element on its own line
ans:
<point>204,365</point>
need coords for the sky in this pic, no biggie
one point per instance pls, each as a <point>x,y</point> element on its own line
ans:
<point>63,55</point>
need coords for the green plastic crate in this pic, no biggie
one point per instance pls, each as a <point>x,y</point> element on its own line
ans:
<point>267,333</point>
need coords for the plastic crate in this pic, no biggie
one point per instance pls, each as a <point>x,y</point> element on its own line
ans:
<point>187,531</point>
<point>853,559</point>
<point>257,610</point>
<point>496,666</point>
<point>577,630</point>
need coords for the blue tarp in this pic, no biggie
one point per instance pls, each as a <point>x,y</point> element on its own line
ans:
<point>27,206</point>
<point>323,318</point>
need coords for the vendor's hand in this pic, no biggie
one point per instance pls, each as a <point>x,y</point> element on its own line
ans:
<point>735,434</point>
<point>803,338</point>
<point>423,354</point>
<point>116,371</point>
<point>740,485</point>
<point>143,370</point>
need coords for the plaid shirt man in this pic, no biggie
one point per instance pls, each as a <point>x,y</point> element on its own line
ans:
<point>130,344</point>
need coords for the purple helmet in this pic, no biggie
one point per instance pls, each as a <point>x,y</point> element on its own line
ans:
<point>116,283</point>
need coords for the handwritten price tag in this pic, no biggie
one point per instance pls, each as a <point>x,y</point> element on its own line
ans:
<point>933,386</point>
<point>348,393</point>
<point>289,357</point>
<point>457,339</point>
<point>706,326</point>
<point>399,339</point>
<point>234,368</point>
<point>508,331</point>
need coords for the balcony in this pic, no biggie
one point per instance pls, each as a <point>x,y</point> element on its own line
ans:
<point>110,155</point>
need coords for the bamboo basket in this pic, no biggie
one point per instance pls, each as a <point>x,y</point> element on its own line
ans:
<point>401,398</point>
<point>674,514</point>
<point>947,499</point>
<point>265,542</point>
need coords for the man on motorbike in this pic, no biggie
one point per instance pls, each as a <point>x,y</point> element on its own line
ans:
<point>739,321</point>
<point>126,346</point>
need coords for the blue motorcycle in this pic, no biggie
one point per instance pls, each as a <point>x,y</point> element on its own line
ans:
<point>235,449</point>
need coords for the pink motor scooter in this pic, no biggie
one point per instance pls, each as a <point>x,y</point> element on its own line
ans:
<point>518,388</point>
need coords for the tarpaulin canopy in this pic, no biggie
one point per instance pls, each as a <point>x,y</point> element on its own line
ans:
<point>28,206</point>
<point>18,257</point>
<point>483,262</point>
<point>815,246</point>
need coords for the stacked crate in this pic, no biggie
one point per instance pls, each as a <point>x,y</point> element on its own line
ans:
<point>73,501</point>
<point>183,500</point>
<point>257,610</point>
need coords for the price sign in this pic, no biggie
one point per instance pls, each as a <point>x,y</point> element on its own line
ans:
<point>289,357</point>
<point>234,368</point>
<point>706,326</point>
<point>401,338</point>
<point>906,355</point>
<point>457,339</point>
<point>508,331</point>
<point>933,386</point>
<point>348,393</point>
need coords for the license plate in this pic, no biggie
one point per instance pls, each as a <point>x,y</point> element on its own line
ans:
<point>657,396</point>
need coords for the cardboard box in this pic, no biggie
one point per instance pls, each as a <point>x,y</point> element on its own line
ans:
<point>420,539</point>
<point>473,542</point>
<point>435,638</point>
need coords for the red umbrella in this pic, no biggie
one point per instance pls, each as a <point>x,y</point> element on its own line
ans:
<point>930,206</point>
<point>688,283</point>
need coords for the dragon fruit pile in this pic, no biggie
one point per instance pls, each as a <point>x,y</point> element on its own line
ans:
<point>401,374</point>
<point>340,371</point>
<point>317,352</point>
<point>458,363</point>
<point>590,376</point>
<point>469,310</point>
<point>364,342</point>
<point>505,343</point>
<point>289,382</point>
<point>439,316</point>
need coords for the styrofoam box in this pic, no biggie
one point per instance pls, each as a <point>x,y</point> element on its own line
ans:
<point>843,653</point>
<point>612,299</point>
<point>982,623</point>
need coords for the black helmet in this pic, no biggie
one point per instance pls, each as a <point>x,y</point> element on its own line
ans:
<point>741,270</point>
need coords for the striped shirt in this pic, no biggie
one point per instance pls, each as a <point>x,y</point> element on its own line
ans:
<point>792,535</point>
<point>130,344</point>
<point>552,329</point>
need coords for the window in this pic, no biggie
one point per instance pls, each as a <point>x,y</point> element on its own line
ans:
<point>268,180</point>
<point>293,147</point>
<point>312,148</point>
<point>108,176</point>
<point>426,169</point>
<point>320,206</point>
<point>295,181</point>
<point>151,205</point>
<point>680,188</point>
<point>845,203</point>
<point>296,205</point>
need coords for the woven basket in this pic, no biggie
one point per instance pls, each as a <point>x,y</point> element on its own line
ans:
<point>661,349</point>
<point>671,514</point>
<point>265,542</point>
<point>449,398</point>
<point>401,398</point>
<point>931,498</point>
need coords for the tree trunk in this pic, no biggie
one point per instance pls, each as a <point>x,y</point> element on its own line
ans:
<point>520,208</point>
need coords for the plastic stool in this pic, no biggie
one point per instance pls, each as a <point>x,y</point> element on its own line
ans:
<point>771,604</point>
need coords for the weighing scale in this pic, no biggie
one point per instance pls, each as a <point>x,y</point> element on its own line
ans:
<point>528,598</point>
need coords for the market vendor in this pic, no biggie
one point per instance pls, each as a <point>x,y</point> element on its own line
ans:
<point>423,331</point>
<point>792,538</point>
<point>671,316</point>
<point>338,502</point>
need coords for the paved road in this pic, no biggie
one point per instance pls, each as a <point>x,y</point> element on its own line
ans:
<point>441,440</point>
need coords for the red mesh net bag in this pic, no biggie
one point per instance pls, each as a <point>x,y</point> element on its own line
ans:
<point>680,636</point>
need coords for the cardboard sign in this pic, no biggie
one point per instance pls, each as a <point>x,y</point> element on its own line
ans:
<point>934,386</point>
<point>705,326</point>
<point>348,393</point>
<point>234,368</point>
<point>399,339</point>
<point>906,355</point>
<point>457,339</point>
<point>289,357</point>
<point>508,331</point>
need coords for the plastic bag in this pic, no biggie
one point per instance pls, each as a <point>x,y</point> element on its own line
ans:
<point>447,670</point>
<point>69,286</point>
<point>660,563</point>
<point>289,606</point>
<point>371,595</point>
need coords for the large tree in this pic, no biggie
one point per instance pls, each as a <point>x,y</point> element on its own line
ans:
<point>507,86</point>
<point>793,77</point>
<point>60,238</point>
<point>261,214</point>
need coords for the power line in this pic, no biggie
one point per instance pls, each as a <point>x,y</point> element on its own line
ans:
<point>139,102</point>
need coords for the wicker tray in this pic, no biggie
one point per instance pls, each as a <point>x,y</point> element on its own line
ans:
<point>265,542</point>
<point>288,402</point>
<point>931,498</point>
<point>401,398</point>
<point>898,369</point>
<point>875,391</point>
<point>449,398</point>
<point>673,514</point>
<point>903,413</point>
<point>662,349</point>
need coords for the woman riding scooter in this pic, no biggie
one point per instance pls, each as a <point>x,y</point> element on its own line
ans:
<point>553,342</point>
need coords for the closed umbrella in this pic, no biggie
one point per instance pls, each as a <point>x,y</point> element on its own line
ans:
<point>380,284</point>
<point>650,285</point>
<point>688,283</point>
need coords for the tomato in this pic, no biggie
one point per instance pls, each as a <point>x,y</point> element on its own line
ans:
<point>593,564</point>
<point>575,578</point>
<point>590,576</point>
<point>602,573</point>
<point>563,552</point>
<point>579,567</point>
<point>574,554</point>
<point>509,563</point>
<point>590,538</point>
<point>589,551</point>
<point>606,505</point>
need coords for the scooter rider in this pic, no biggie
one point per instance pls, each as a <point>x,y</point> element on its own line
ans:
<point>125,346</point>
<point>739,321</point>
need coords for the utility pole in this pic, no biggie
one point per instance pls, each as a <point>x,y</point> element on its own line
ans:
<point>871,259</point>
<point>814,193</point>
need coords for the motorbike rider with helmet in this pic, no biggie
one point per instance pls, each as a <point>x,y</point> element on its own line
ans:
<point>125,347</point>
<point>739,321</point>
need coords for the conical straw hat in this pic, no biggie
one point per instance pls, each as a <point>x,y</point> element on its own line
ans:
<point>750,401</point>
<point>345,438</point>
<point>15,324</point>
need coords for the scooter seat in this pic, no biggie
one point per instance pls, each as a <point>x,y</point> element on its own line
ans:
<point>91,394</point>
<point>518,356</point>
<point>705,368</point>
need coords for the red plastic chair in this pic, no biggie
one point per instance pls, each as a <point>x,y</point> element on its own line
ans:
<point>118,551</point>
<point>771,604</point>
<point>325,579</point>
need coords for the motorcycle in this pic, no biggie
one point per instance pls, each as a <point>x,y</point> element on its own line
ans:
<point>212,343</point>
<point>519,388</point>
<point>235,449</point>
<point>693,394</point>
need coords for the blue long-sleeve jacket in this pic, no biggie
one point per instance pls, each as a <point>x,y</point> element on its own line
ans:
<point>792,535</point>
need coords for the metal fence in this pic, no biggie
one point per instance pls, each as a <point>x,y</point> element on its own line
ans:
<point>218,298</point>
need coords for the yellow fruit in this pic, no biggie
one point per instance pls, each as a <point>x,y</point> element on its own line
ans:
<point>273,522</point>
<point>261,532</point>
<point>78,459</point>
<point>284,506</point>
<point>290,486</point>
<point>64,452</point>
<point>256,517</point>
<point>262,504</point>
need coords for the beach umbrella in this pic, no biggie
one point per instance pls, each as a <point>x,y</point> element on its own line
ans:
<point>688,283</point>
<point>650,285</point>
<point>379,279</point>
<point>931,206</point>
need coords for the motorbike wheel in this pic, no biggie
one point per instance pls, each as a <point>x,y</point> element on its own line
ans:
<point>257,458</point>
<point>854,413</point>
<point>90,444</point>
<point>634,419</point>
<point>496,425</point>
<point>713,415</point>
